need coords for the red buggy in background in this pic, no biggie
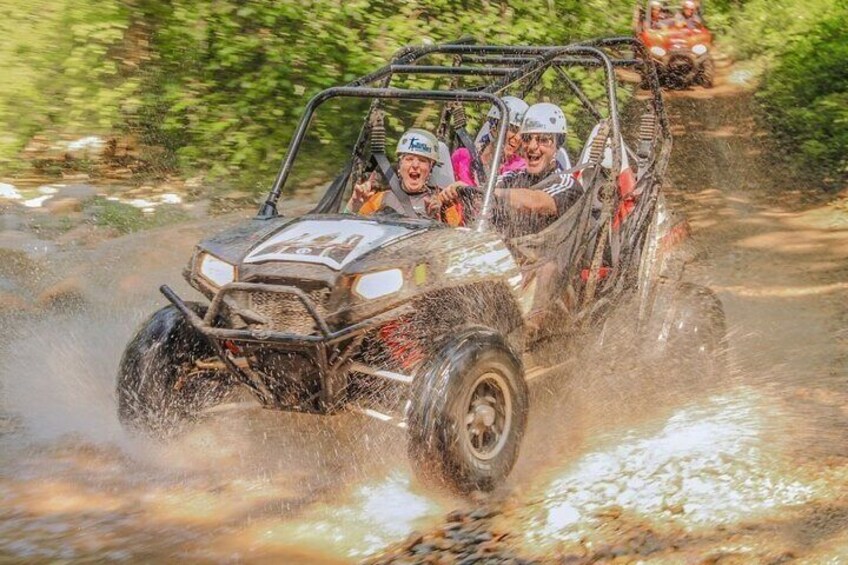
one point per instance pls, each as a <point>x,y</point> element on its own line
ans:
<point>679,42</point>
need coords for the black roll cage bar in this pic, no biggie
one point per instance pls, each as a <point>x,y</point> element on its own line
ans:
<point>394,94</point>
<point>514,64</point>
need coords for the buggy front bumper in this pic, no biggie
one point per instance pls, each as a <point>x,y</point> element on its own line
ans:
<point>324,335</point>
<point>330,351</point>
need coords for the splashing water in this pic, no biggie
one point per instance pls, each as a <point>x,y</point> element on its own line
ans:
<point>705,466</point>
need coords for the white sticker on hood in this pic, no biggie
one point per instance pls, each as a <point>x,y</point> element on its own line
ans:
<point>333,243</point>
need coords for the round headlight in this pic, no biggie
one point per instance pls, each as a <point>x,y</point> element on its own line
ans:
<point>216,271</point>
<point>699,49</point>
<point>658,51</point>
<point>381,283</point>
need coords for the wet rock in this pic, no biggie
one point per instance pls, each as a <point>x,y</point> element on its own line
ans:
<point>483,536</point>
<point>455,516</point>
<point>482,514</point>
<point>63,206</point>
<point>445,544</point>
<point>64,295</point>
<point>414,539</point>
<point>78,191</point>
<point>423,548</point>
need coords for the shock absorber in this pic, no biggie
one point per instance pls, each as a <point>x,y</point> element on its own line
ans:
<point>378,132</point>
<point>596,151</point>
<point>647,133</point>
<point>457,111</point>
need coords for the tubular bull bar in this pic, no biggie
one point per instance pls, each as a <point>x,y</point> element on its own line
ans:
<point>330,350</point>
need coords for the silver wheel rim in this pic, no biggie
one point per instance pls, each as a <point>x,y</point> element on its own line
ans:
<point>488,416</point>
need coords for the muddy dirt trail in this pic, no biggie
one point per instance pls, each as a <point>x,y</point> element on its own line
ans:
<point>628,463</point>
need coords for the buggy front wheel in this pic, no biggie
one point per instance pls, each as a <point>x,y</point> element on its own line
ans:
<point>468,413</point>
<point>707,74</point>
<point>159,386</point>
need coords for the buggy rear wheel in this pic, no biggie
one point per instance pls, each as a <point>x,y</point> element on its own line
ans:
<point>159,386</point>
<point>468,413</point>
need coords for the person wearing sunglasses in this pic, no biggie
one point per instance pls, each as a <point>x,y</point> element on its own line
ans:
<point>532,199</point>
<point>529,200</point>
<point>512,160</point>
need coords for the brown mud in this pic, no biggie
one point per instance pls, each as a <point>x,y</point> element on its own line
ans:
<point>627,463</point>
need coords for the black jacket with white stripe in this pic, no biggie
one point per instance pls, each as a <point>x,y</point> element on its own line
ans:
<point>560,185</point>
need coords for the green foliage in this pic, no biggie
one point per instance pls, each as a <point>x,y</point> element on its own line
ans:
<point>221,85</point>
<point>804,91</point>
<point>126,218</point>
<point>805,96</point>
<point>231,77</point>
<point>62,64</point>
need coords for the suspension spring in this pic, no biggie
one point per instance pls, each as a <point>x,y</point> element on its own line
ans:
<point>378,132</point>
<point>458,113</point>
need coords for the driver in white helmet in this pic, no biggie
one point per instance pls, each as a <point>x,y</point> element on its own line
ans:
<point>688,16</point>
<point>512,160</point>
<point>659,15</point>
<point>417,152</point>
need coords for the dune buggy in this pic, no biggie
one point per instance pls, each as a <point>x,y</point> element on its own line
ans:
<point>682,54</point>
<point>409,321</point>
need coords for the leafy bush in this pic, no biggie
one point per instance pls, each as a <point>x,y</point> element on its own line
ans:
<point>806,97</point>
<point>804,91</point>
<point>64,61</point>
<point>231,77</point>
<point>220,84</point>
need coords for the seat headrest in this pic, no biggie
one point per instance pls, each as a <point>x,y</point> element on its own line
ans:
<point>443,174</point>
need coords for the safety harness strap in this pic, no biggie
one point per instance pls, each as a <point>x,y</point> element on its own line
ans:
<point>459,122</point>
<point>378,154</point>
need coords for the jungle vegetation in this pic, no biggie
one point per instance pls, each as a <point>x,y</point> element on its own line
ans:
<point>218,86</point>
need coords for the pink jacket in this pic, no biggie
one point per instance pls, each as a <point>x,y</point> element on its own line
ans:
<point>461,161</point>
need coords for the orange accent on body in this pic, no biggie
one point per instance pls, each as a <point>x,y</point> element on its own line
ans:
<point>452,215</point>
<point>372,204</point>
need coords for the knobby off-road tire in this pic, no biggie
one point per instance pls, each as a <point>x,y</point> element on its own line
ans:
<point>468,413</point>
<point>706,76</point>
<point>156,388</point>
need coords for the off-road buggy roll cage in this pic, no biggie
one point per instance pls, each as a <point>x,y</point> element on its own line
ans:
<point>515,64</point>
<point>406,319</point>
<point>583,231</point>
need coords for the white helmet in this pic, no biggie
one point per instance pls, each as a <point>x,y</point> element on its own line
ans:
<point>544,117</point>
<point>517,108</point>
<point>419,142</point>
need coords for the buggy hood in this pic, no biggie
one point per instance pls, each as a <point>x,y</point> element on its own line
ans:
<point>333,241</point>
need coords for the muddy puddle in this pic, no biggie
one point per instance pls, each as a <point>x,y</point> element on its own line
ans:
<point>631,463</point>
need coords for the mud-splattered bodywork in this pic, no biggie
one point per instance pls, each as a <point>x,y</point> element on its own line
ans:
<point>334,252</point>
<point>313,294</point>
